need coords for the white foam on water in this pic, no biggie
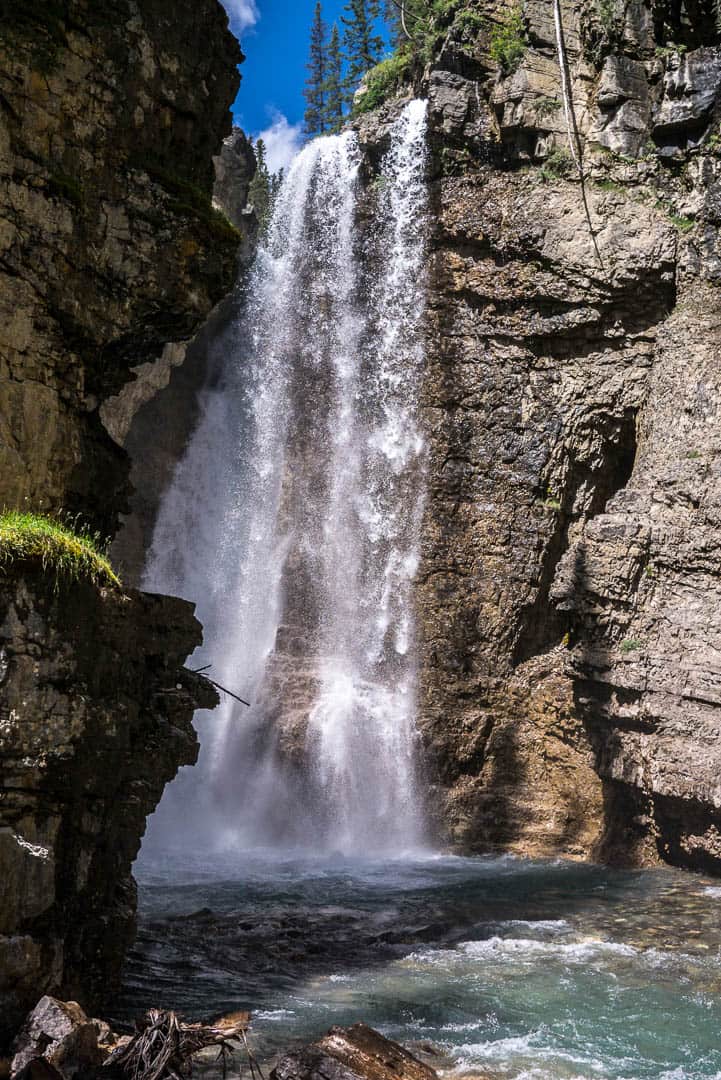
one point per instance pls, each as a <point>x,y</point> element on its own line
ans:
<point>516,1051</point>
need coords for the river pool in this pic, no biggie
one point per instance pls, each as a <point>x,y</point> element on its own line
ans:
<point>508,967</point>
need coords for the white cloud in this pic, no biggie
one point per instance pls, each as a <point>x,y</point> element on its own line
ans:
<point>282,142</point>
<point>242,14</point>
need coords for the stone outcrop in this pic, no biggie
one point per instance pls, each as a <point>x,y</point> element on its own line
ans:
<point>569,593</point>
<point>58,1040</point>
<point>110,245</point>
<point>110,114</point>
<point>354,1053</point>
<point>95,720</point>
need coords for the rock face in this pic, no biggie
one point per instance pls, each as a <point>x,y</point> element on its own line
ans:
<point>95,720</point>
<point>354,1053</point>
<point>110,114</point>
<point>110,244</point>
<point>569,592</point>
<point>154,416</point>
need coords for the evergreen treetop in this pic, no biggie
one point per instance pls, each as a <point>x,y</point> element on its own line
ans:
<point>315,119</point>
<point>259,192</point>
<point>334,83</point>
<point>363,46</point>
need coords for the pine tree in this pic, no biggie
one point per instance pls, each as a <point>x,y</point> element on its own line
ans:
<point>363,47</point>
<point>259,192</point>
<point>315,88</point>
<point>276,182</point>
<point>334,83</point>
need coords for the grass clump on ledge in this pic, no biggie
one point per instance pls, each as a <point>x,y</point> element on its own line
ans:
<point>382,80</point>
<point>63,548</point>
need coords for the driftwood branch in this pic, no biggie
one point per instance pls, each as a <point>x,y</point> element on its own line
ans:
<point>163,1049</point>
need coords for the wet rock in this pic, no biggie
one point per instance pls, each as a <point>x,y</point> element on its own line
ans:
<point>59,1033</point>
<point>354,1053</point>
<point>95,719</point>
<point>692,86</point>
<point>234,170</point>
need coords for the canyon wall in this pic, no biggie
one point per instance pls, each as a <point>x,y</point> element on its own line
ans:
<point>110,114</point>
<point>567,597</point>
<point>569,589</point>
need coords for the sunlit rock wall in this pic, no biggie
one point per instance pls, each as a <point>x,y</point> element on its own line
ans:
<point>569,592</point>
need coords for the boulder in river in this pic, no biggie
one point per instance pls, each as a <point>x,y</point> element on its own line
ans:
<point>57,1037</point>
<point>354,1053</point>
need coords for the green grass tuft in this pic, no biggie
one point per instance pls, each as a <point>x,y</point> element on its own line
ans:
<point>61,547</point>
<point>683,224</point>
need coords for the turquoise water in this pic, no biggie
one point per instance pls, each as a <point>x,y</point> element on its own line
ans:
<point>509,968</point>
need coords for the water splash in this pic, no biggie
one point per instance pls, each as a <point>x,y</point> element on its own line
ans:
<point>294,518</point>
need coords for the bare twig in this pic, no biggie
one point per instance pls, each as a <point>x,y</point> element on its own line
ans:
<point>225,690</point>
<point>201,671</point>
<point>400,6</point>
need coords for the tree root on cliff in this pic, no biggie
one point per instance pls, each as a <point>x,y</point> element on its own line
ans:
<point>164,1048</point>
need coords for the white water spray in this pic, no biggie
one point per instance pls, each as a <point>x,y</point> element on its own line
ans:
<point>293,521</point>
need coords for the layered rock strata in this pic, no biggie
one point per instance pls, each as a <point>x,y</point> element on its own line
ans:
<point>569,589</point>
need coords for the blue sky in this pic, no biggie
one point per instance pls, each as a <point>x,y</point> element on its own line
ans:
<point>274,36</point>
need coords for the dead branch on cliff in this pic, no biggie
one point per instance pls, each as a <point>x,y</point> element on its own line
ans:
<point>201,671</point>
<point>164,1048</point>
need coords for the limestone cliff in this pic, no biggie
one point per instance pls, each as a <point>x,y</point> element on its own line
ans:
<point>110,114</point>
<point>569,591</point>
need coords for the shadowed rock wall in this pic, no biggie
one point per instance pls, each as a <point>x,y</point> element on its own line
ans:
<point>110,114</point>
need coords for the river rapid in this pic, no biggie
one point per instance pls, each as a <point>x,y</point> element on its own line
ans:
<point>506,967</point>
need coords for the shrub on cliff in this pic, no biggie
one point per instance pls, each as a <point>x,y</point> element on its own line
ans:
<point>382,80</point>
<point>62,548</point>
<point>508,40</point>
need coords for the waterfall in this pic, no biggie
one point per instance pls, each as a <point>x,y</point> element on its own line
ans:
<point>293,520</point>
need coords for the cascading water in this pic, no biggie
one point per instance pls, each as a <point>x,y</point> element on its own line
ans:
<point>293,521</point>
